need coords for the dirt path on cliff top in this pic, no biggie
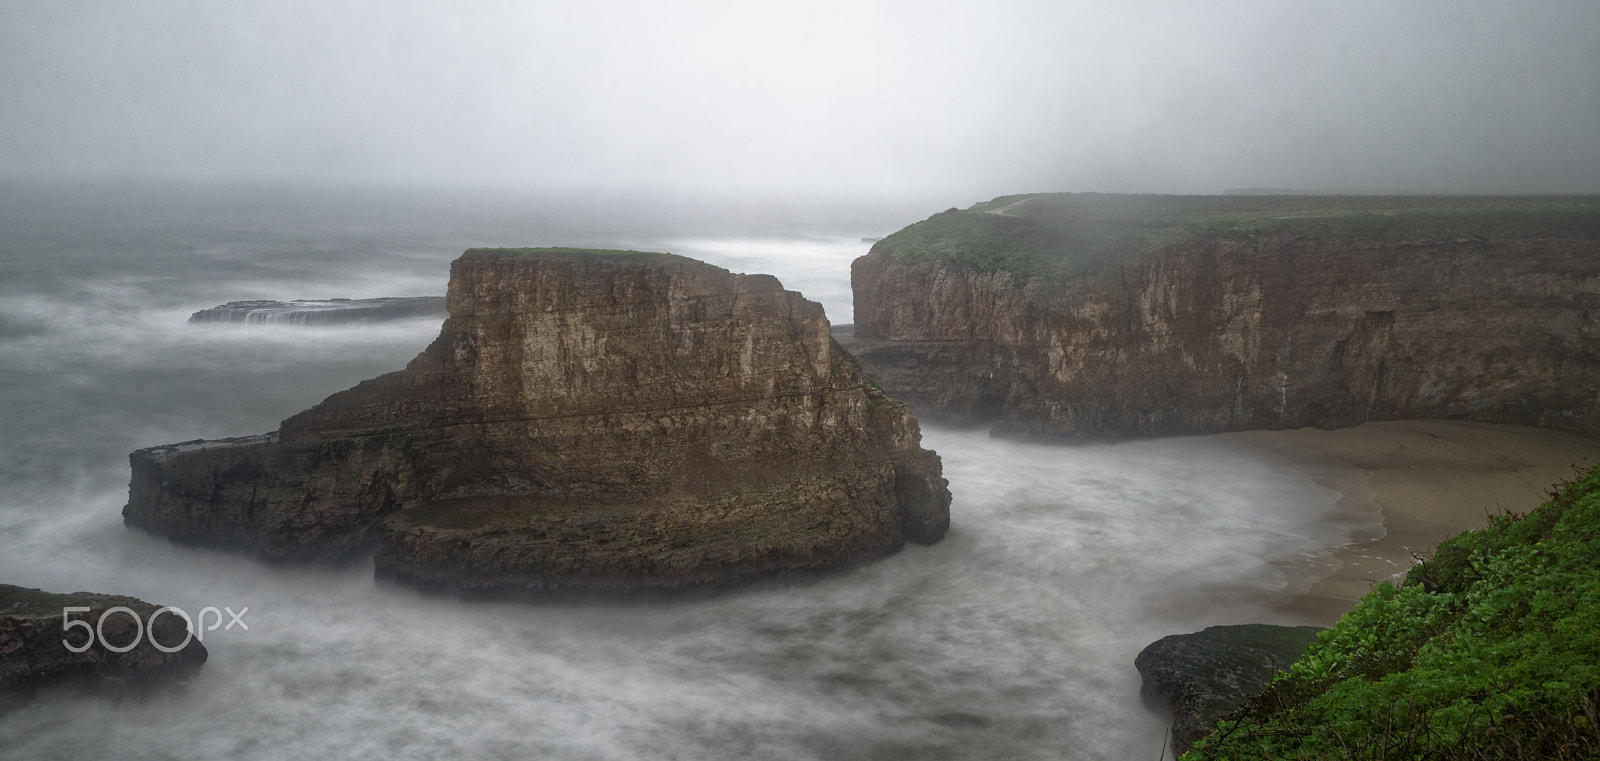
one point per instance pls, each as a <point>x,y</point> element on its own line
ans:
<point>1002,211</point>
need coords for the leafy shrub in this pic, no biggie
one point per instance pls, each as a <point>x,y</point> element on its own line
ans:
<point>1490,650</point>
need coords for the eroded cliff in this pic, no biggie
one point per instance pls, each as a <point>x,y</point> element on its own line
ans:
<point>588,420</point>
<point>1229,332</point>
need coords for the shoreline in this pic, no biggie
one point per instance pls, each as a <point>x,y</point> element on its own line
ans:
<point>1405,486</point>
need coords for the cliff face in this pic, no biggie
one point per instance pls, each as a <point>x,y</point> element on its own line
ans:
<point>584,420</point>
<point>1218,335</point>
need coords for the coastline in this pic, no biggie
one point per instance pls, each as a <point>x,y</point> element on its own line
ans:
<point>1405,486</point>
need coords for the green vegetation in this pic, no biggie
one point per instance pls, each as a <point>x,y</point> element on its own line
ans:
<point>875,392</point>
<point>1491,649</point>
<point>569,253</point>
<point>1062,235</point>
<point>34,603</point>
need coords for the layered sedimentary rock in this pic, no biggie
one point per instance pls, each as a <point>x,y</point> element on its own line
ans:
<point>34,638</point>
<point>1204,676</point>
<point>587,420</point>
<point>307,312</point>
<point>1216,334</point>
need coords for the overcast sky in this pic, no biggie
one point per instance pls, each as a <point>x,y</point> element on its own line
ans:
<point>970,98</point>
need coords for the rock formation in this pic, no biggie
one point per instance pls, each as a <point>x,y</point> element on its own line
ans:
<point>32,633</point>
<point>304,312</point>
<point>1216,334</point>
<point>585,420</point>
<point>1204,676</point>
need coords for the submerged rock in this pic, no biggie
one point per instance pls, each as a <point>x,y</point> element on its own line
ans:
<point>34,640</point>
<point>593,420</point>
<point>1204,676</point>
<point>322,312</point>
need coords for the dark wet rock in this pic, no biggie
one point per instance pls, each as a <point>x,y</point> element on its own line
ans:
<point>612,421</point>
<point>1204,676</point>
<point>34,652</point>
<point>322,312</point>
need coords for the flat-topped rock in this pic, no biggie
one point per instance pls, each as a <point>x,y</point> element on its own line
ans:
<point>590,420</point>
<point>302,312</point>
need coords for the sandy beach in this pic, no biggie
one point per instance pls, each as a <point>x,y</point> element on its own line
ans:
<point>1406,485</point>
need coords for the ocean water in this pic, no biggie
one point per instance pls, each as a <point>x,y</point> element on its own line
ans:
<point>1012,639</point>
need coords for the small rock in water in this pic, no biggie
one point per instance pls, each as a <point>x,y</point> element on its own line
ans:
<point>35,627</point>
<point>1204,676</point>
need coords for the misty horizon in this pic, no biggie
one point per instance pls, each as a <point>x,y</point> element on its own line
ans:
<point>925,494</point>
<point>947,100</point>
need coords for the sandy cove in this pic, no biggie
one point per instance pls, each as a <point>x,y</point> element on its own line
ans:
<point>1407,485</point>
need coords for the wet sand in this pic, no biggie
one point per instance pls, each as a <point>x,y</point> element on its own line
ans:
<point>1406,485</point>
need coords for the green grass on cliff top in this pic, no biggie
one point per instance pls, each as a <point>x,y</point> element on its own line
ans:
<point>1062,235</point>
<point>562,252</point>
<point>1491,649</point>
<point>34,603</point>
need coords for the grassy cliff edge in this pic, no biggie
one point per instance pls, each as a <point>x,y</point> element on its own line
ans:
<point>1062,235</point>
<point>1491,649</point>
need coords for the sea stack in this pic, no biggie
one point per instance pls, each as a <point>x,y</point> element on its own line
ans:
<point>586,420</point>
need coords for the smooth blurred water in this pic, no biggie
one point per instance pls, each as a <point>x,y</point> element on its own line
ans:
<point>1011,639</point>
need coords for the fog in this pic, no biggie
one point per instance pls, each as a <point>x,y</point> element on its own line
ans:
<point>959,99</point>
<point>1013,638</point>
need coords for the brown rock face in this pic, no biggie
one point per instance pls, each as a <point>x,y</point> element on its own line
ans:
<point>590,420</point>
<point>1217,336</point>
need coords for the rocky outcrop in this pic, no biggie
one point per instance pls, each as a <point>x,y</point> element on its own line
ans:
<point>306,312</point>
<point>1204,676</point>
<point>34,639</point>
<point>585,420</point>
<point>1218,335</point>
